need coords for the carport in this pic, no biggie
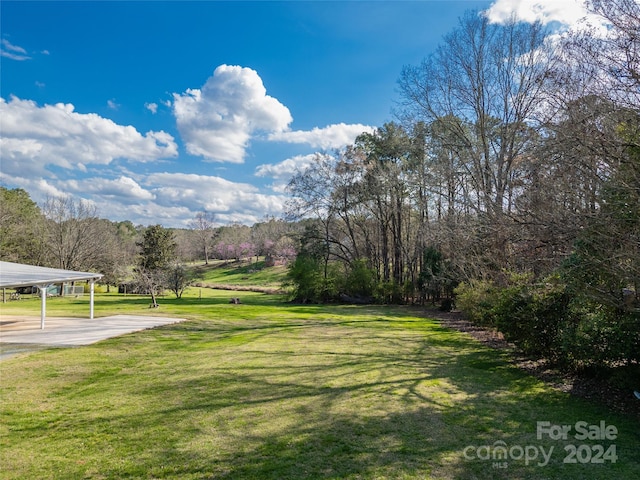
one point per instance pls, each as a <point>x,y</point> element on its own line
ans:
<point>14,275</point>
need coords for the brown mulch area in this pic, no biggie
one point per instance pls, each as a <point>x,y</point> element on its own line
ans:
<point>597,390</point>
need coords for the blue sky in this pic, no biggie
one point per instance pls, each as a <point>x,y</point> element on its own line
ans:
<point>154,111</point>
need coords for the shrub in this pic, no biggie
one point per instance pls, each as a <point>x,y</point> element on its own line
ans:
<point>476,299</point>
<point>305,276</point>
<point>599,336</point>
<point>360,280</point>
<point>312,282</point>
<point>531,314</point>
<point>528,314</point>
<point>388,292</point>
<point>549,319</point>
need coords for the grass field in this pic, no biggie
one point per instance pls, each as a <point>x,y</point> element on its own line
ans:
<point>268,390</point>
<point>238,274</point>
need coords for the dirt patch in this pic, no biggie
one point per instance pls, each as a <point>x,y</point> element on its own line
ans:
<point>594,389</point>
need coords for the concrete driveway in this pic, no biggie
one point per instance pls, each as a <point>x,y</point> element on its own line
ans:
<point>23,334</point>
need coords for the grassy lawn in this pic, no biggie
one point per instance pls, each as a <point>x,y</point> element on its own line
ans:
<point>266,390</point>
<point>244,273</point>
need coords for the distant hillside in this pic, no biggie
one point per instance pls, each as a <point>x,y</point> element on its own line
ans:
<point>245,274</point>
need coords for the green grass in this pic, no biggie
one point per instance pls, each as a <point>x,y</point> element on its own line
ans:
<point>266,390</point>
<point>246,273</point>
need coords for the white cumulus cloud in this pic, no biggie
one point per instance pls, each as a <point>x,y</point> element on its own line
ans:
<point>33,137</point>
<point>229,201</point>
<point>332,136</point>
<point>283,171</point>
<point>152,107</point>
<point>286,168</point>
<point>123,188</point>
<point>567,12</point>
<point>218,120</point>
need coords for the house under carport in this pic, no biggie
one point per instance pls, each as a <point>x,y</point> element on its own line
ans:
<point>15,275</point>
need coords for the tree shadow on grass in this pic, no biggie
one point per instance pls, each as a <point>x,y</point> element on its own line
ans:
<point>320,411</point>
<point>320,399</point>
<point>426,440</point>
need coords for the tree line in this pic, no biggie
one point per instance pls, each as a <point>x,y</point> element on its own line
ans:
<point>509,181</point>
<point>68,234</point>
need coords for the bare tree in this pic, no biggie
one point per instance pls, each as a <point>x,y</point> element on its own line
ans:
<point>479,95</point>
<point>178,279</point>
<point>76,237</point>
<point>481,86</point>
<point>602,57</point>
<point>597,133</point>
<point>203,225</point>
<point>313,196</point>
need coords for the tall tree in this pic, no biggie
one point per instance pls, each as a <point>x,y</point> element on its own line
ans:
<point>20,220</point>
<point>599,131</point>
<point>157,251</point>
<point>202,225</point>
<point>387,152</point>
<point>480,91</point>
<point>157,248</point>
<point>603,58</point>
<point>75,234</point>
<point>312,192</point>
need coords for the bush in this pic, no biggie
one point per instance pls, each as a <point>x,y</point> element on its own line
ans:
<point>548,319</point>
<point>305,275</point>
<point>599,336</point>
<point>388,292</point>
<point>360,280</point>
<point>476,299</point>
<point>528,314</point>
<point>531,314</point>
<point>310,282</point>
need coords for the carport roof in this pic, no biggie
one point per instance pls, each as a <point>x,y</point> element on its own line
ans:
<point>21,275</point>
